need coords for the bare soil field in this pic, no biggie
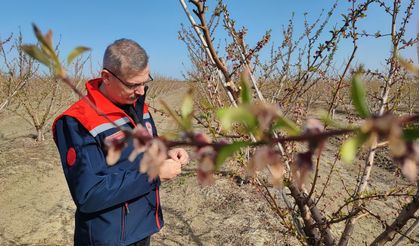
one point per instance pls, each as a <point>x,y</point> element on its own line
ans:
<point>36,207</point>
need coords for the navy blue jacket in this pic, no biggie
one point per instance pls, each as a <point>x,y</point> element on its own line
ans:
<point>116,205</point>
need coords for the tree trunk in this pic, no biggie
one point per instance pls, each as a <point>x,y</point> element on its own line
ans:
<point>40,135</point>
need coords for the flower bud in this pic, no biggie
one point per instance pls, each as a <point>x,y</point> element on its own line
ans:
<point>206,165</point>
<point>154,156</point>
<point>314,126</point>
<point>265,113</point>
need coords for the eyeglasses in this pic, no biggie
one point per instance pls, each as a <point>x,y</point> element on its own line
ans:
<point>131,86</point>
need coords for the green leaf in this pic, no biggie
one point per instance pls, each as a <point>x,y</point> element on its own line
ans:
<point>228,116</point>
<point>187,104</point>
<point>228,150</point>
<point>46,41</point>
<point>411,134</point>
<point>48,38</point>
<point>41,37</point>
<point>358,97</point>
<point>48,50</point>
<point>350,147</point>
<point>187,110</point>
<point>312,69</point>
<point>289,126</point>
<point>245,93</point>
<point>76,52</point>
<point>37,54</point>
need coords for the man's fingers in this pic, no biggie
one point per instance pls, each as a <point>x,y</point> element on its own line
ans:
<point>172,155</point>
<point>184,159</point>
<point>180,155</point>
<point>170,169</point>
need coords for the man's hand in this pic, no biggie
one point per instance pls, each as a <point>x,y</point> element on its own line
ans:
<point>169,169</point>
<point>180,155</point>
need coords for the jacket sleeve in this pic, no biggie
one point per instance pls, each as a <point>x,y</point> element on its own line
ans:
<point>91,187</point>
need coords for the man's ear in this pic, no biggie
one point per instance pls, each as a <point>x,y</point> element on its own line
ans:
<point>105,76</point>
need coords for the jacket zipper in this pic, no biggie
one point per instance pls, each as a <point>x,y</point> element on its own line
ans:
<point>157,208</point>
<point>125,212</point>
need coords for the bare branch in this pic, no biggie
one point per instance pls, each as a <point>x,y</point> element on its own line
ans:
<point>406,214</point>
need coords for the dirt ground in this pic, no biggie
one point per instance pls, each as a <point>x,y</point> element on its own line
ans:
<point>36,207</point>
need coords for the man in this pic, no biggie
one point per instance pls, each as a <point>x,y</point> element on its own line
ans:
<point>116,205</point>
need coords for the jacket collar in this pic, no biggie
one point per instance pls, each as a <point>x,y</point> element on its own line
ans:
<point>101,102</point>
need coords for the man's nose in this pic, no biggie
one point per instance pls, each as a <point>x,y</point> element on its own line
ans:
<point>139,90</point>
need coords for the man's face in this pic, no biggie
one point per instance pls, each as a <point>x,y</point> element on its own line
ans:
<point>125,90</point>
